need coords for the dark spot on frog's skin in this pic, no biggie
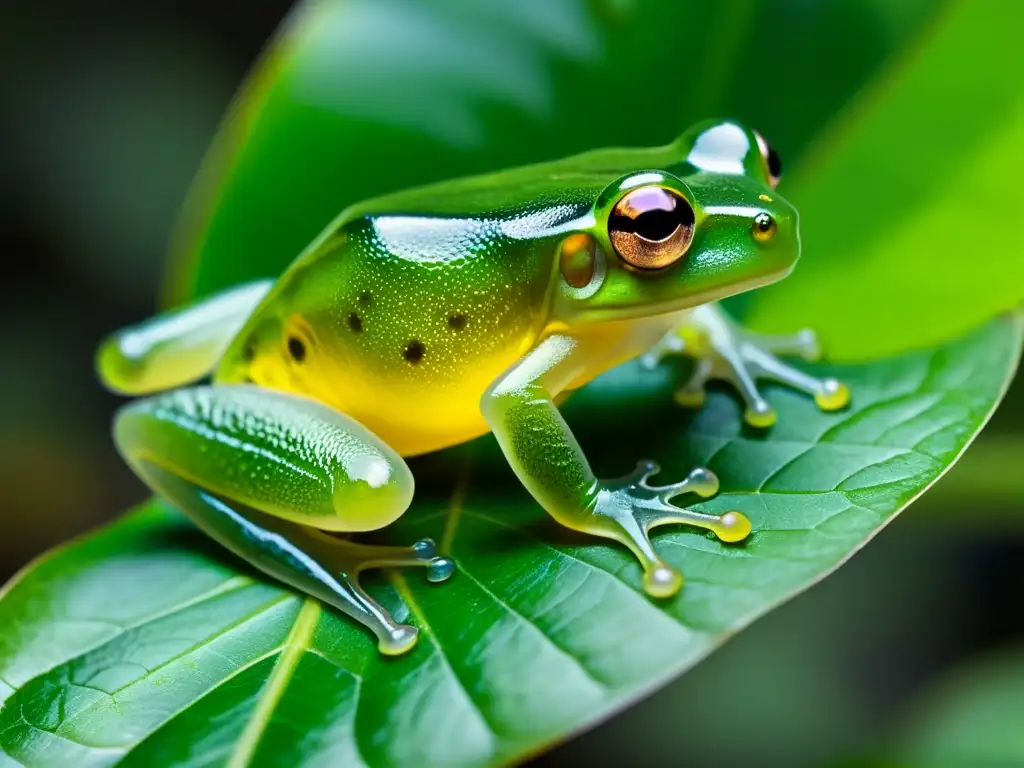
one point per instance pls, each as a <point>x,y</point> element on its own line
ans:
<point>365,298</point>
<point>355,322</point>
<point>414,351</point>
<point>249,351</point>
<point>296,349</point>
<point>457,322</point>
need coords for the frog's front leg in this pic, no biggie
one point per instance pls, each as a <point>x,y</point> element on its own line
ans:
<point>265,474</point>
<point>725,351</point>
<point>547,459</point>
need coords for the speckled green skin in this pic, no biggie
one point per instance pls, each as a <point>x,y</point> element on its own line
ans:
<point>426,318</point>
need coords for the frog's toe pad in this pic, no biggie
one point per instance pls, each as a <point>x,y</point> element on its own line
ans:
<point>440,569</point>
<point>760,414</point>
<point>833,395</point>
<point>690,397</point>
<point>398,640</point>
<point>662,581</point>
<point>733,527</point>
<point>425,549</point>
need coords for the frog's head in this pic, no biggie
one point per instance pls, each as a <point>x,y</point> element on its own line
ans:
<point>665,239</point>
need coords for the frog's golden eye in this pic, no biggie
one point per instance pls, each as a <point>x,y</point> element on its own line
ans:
<point>772,161</point>
<point>651,227</point>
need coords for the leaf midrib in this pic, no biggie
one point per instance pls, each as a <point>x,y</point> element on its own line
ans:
<point>295,646</point>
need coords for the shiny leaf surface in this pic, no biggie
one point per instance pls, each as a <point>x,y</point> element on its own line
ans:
<point>144,643</point>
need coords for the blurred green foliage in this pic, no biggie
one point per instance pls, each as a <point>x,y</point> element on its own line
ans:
<point>972,717</point>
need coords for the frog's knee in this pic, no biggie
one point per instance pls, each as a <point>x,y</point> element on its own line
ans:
<point>371,490</point>
<point>287,456</point>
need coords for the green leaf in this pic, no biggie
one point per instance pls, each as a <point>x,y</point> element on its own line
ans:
<point>144,643</point>
<point>355,98</point>
<point>907,200</point>
<point>972,717</point>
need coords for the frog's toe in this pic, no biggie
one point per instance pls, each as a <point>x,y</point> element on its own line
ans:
<point>662,581</point>
<point>350,559</point>
<point>670,344</point>
<point>694,392</point>
<point>690,397</point>
<point>423,553</point>
<point>833,395</point>
<point>723,351</point>
<point>804,343</point>
<point>759,413</point>
<point>425,549</point>
<point>440,569</point>
<point>829,394</point>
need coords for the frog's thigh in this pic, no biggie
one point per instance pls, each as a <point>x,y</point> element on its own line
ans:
<point>263,473</point>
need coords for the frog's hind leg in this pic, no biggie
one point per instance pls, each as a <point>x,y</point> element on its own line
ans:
<point>725,351</point>
<point>265,474</point>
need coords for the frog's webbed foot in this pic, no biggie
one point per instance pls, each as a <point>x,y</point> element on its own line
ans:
<point>350,559</point>
<point>726,352</point>
<point>628,508</point>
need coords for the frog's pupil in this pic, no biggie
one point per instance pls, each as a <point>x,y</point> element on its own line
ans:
<point>774,163</point>
<point>656,225</point>
<point>653,214</point>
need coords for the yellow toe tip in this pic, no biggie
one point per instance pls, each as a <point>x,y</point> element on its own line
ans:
<point>762,418</point>
<point>399,640</point>
<point>733,527</point>
<point>690,398</point>
<point>834,395</point>
<point>662,581</point>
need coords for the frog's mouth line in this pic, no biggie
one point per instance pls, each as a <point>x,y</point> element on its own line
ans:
<point>734,289</point>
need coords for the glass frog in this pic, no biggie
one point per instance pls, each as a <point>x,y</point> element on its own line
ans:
<point>426,318</point>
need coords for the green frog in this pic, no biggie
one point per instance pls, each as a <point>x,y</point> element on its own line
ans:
<point>426,318</point>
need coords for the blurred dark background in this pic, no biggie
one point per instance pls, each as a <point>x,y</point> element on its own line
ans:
<point>107,110</point>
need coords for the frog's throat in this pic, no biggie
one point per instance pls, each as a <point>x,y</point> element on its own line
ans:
<point>734,289</point>
<point>692,301</point>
